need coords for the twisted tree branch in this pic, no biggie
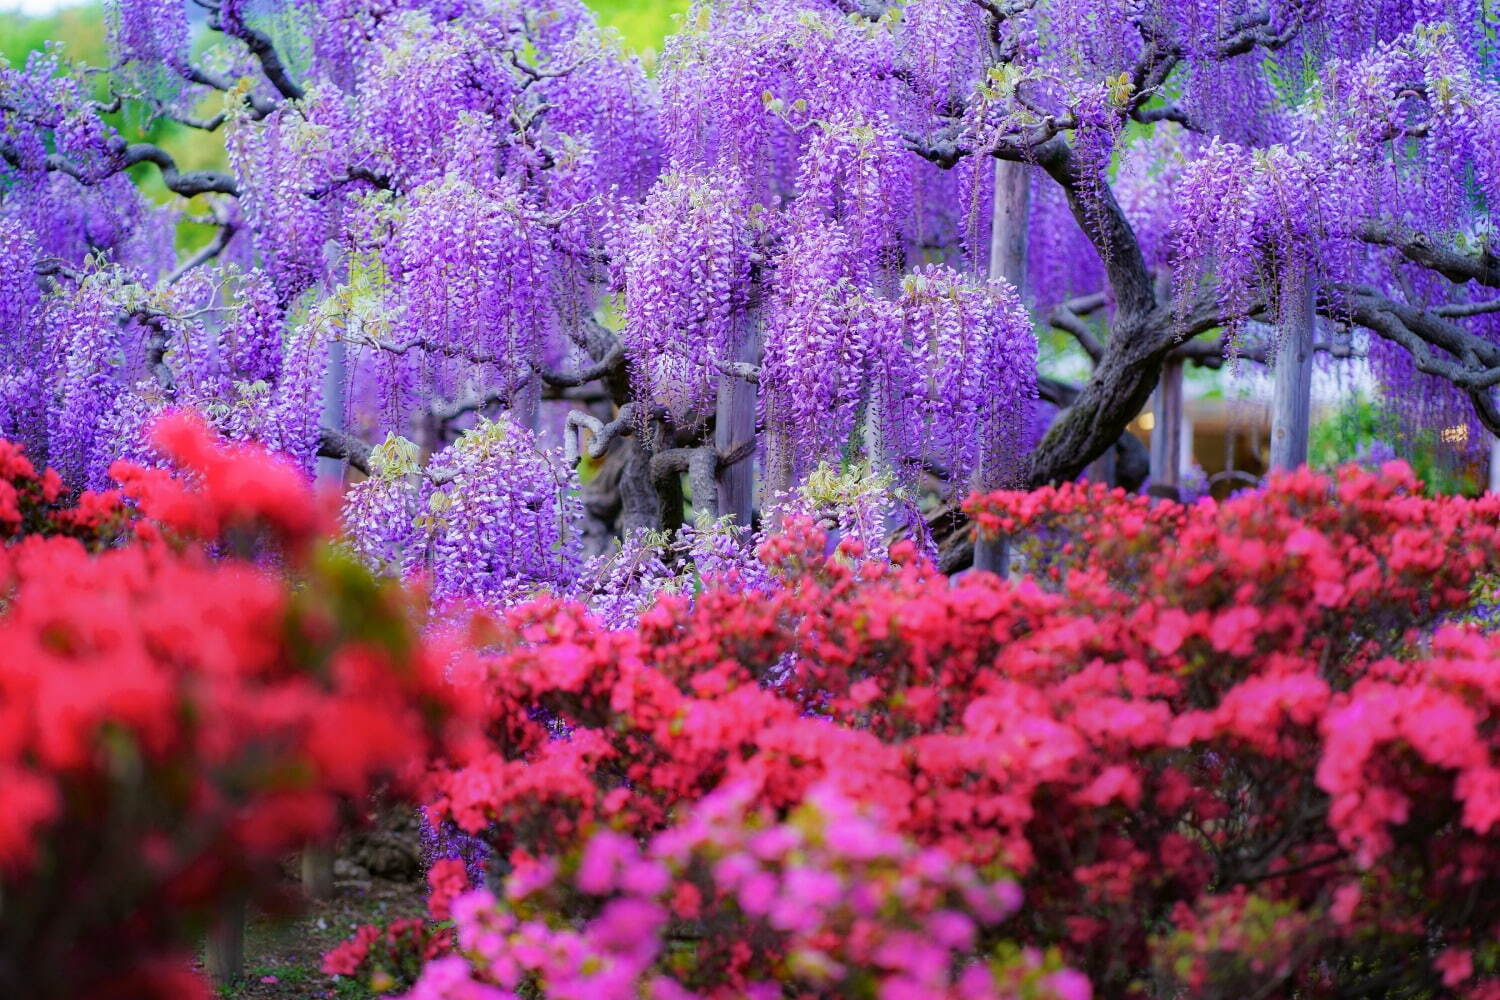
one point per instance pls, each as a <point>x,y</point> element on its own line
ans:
<point>345,447</point>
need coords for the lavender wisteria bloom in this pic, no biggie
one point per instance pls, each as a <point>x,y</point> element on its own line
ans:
<point>500,516</point>
<point>771,255</point>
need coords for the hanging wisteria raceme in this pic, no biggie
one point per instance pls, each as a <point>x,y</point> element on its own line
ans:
<point>1386,143</point>
<point>153,35</point>
<point>746,80</point>
<point>602,121</point>
<point>1251,211</point>
<point>490,520</point>
<point>502,519</point>
<point>976,374</point>
<point>421,79</point>
<point>470,268</point>
<point>250,342</point>
<point>860,175</point>
<point>816,347</point>
<point>945,46</point>
<point>92,353</point>
<point>620,586</point>
<point>382,515</point>
<point>293,166</point>
<point>23,409</point>
<point>686,271</point>
<point>48,109</point>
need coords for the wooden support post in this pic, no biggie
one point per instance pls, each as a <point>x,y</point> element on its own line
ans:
<point>317,871</point>
<point>317,862</point>
<point>333,470</point>
<point>1291,400</point>
<point>225,955</point>
<point>1495,464</point>
<point>1166,432</point>
<point>1010,214</point>
<point>734,424</point>
<point>1009,218</point>
<point>334,377</point>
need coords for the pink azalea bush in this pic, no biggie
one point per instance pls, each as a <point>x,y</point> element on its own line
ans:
<point>1220,749</point>
<point>827,902</point>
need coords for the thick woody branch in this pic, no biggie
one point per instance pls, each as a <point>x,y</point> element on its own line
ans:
<point>1257,31</point>
<point>1104,222</point>
<point>1065,319</point>
<point>1364,303</point>
<point>872,10</point>
<point>611,363</point>
<point>188,184</point>
<point>226,231</point>
<point>156,352</point>
<point>535,74</point>
<point>603,433</point>
<point>1462,309</point>
<point>345,447</point>
<point>1167,113</point>
<point>1455,265</point>
<point>448,411</point>
<point>740,369</point>
<point>1057,392</point>
<point>259,104</point>
<point>353,175</point>
<point>735,455</point>
<point>699,463</point>
<point>607,365</point>
<point>1142,332</point>
<point>422,343</point>
<point>1122,382</point>
<point>1467,360</point>
<point>260,46</point>
<point>1213,354</point>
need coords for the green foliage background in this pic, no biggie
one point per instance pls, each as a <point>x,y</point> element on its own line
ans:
<point>643,23</point>
<point>1347,434</point>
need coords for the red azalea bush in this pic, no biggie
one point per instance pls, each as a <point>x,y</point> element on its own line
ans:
<point>182,707</point>
<point>390,956</point>
<point>1224,749</point>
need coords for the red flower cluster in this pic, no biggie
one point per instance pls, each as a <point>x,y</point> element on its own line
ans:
<point>1186,712</point>
<point>183,707</point>
<point>32,503</point>
<point>389,957</point>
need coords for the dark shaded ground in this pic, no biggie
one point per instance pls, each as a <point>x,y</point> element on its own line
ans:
<point>378,878</point>
<point>283,958</point>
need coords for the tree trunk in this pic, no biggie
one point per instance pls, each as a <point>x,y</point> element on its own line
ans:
<point>317,871</point>
<point>1102,469</point>
<point>1291,400</point>
<point>225,954</point>
<point>640,506</point>
<point>1140,335</point>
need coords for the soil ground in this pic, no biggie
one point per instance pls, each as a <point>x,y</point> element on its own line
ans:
<point>284,954</point>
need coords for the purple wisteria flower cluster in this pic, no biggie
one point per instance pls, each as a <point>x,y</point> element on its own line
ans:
<point>488,229</point>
